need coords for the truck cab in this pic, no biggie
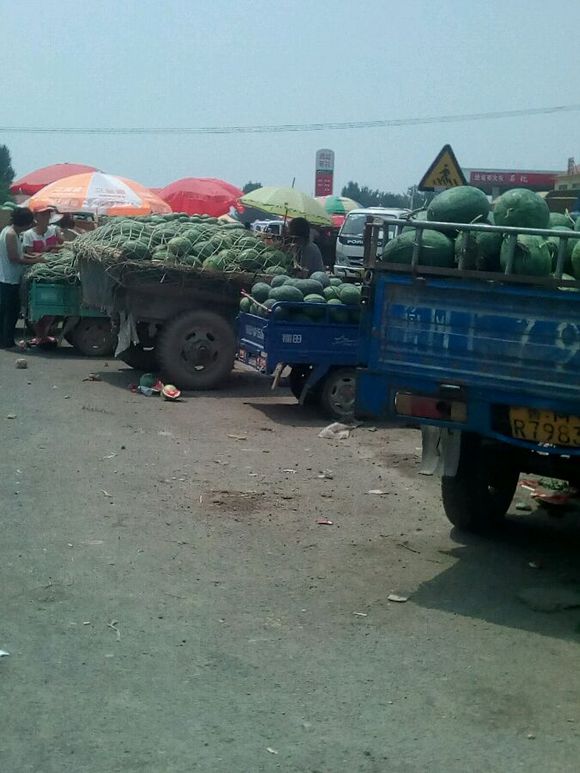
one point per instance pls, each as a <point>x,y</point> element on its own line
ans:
<point>350,241</point>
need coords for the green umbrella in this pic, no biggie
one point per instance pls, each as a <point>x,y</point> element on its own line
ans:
<point>338,205</point>
<point>287,202</point>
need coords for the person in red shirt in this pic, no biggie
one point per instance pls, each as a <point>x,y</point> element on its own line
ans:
<point>43,237</point>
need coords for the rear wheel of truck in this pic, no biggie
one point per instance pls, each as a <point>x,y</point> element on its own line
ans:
<point>93,337</point>
<point>140,358</point>
<point>338,394</point>
<point>477,498</point>
<point>196,350</point>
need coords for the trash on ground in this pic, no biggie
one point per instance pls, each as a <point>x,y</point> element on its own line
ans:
<point>290,470</point>
<point>377,492</point>
<point>10,415</point>
<point>398,599</point>
<point>170,392</point>
<point>21,363</point>
<point>549,491</point>
<point>93,377</point>
<point>238,437</point>
<point>3,653</point>
<point>534,565</point>
<point>523,506</point>
<point>326,475</point>
<point>336,431</point>
<point>324,522</point>
<point>360,614</point>
<point>113,625</point>
<point>543,599</point>
<point>270,750</point>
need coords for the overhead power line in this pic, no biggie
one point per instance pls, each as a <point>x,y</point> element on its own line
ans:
<point>296,127</point>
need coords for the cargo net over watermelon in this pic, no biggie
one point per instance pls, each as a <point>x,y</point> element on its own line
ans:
<point>179,247</point>
<point>58,268</point>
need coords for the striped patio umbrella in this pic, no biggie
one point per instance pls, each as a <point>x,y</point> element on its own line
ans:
<point>101,194</point>
<point>338,205</point>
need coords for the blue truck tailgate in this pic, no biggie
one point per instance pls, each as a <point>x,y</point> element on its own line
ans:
<point>510,344</point>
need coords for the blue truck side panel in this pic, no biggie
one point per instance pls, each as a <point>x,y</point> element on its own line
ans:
<point>265,342</point>
<point>501,344</point>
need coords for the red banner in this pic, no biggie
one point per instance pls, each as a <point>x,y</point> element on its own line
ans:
<point>323,183</point>
<point>512,179</point>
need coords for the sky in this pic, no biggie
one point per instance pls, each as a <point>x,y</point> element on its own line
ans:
<point>195,63</point>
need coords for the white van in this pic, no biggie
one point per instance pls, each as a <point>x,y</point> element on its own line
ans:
<point>349,242</point>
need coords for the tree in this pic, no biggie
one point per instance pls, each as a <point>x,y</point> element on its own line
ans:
<point>6,173</point>
<point>375,198</point>
<point>250,186</point>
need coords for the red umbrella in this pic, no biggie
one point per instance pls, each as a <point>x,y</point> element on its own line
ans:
<point>36,181</point>
<point>200,196</point>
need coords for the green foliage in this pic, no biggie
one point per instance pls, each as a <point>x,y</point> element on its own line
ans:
<point>250,186</point>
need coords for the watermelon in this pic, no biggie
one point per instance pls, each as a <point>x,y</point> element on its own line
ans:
<point>286,293</point>
<point>557,219</point>
<point>260,291</point>
<point>245,305</point>
<point>577,224</point>
<point>279,280</point>
<point>482,252</point>
<point>437,249</point>
<point>307,286</point>
<point>521,207</point>
<point>349,294</point>
<point>533,256</point>
<point>330,293</point>
<point>214,263</point>
<point>314,313</point>
<point>463,204</point>
<point>335,281</point>
<point>202,250</point>
<point>268,303</point>
<point>339,312</point>
<point>555,245</point>
<point>179,246</point>
<point>322,277</point>
<point>576,259</point>
<point>135,250</point>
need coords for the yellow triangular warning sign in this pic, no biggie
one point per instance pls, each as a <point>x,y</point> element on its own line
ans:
<point>444,172</point>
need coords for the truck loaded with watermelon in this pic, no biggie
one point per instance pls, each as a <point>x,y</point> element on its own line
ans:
<point>471,328</point>
<point>311,326</point>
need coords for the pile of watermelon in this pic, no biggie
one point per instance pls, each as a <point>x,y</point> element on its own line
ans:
<point>316,299</point>
<point>197,241</point>
<point>520,207</point>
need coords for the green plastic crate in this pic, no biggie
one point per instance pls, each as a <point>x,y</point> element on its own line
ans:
<point>53,300</point>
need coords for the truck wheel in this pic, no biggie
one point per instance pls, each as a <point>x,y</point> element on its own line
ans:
<point>338,394</point>
<point>139,358</point>
<point>196,350</point>
<point>93,337</point>
<point>298,376</point>
<point>478,497</point>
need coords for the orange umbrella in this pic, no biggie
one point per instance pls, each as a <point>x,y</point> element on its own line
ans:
<point>102,194</point>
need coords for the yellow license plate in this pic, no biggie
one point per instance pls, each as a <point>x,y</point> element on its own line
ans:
<point>545,427</point>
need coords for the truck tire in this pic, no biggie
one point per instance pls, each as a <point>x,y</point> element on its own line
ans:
<point>338,394</point>
<point>139,358</point>
<point>196,350</point>
<point>93,337</point>
<point>298,376</point>
<point>477,498</point>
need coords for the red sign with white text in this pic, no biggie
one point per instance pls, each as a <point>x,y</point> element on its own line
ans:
<point>510,179</point>
<point>323,183</point>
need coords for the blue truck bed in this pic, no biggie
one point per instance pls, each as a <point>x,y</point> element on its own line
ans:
<point>494,346</point>
<point>264,343</point>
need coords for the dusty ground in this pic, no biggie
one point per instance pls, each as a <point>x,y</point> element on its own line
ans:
<point>170,603</point>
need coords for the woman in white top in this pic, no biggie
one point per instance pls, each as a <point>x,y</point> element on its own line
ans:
<point>13,261</point>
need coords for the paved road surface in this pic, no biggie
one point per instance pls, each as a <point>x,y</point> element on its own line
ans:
<point>171,605</point>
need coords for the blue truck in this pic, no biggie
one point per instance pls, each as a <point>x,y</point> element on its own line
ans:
<point>321,354</point>
<point>488,363</point>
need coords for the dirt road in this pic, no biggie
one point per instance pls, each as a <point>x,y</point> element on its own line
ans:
<point>170,603</point>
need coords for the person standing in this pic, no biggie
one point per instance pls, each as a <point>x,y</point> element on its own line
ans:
<point>43,237</point>
<point>12,264</point>
<point>307,254</point>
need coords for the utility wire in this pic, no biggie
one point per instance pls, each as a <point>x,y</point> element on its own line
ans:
<point>298,127</point>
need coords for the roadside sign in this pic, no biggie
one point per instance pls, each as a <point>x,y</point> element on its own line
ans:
<point>444,172</point>
<point>324,172</point>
